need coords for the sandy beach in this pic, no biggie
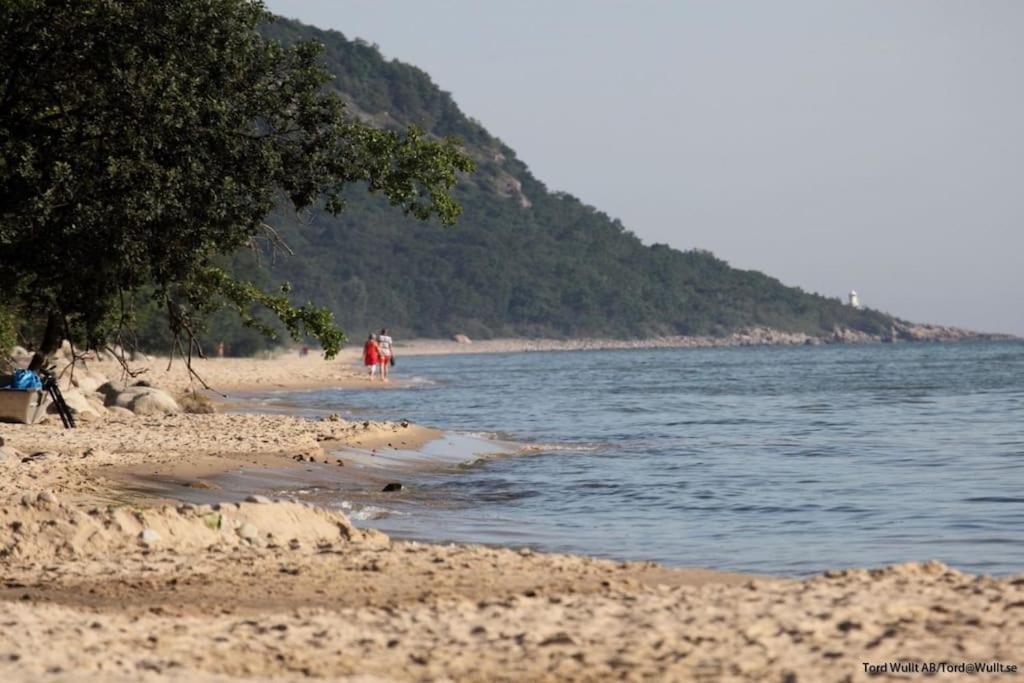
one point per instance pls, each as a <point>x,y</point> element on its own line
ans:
<point>102,580</point>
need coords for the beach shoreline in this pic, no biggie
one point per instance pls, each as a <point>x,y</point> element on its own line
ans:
<point>106,579</point>
<point>746,338</point>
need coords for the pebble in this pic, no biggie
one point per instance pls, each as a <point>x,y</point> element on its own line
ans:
<point>247,531</point>
<point>262,500</point>
<point>28,499</point>
<point>47,497</point>
<point>41,455</point>
<point>149,536</point>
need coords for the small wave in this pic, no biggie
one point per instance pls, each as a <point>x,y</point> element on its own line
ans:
<point>489,436</point>
<point>529,449</point>
<point>994,499</point>
<point>481,458</point>
<point>364,512</point>
<point>418,381</point>
<point>298,492</point>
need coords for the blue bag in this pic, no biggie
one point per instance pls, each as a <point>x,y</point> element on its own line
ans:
<point>25,380</point>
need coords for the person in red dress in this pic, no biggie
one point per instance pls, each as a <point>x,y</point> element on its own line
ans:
<point>371,355</point>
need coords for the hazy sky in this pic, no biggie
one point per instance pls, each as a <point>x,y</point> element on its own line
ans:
<point>875,145</point>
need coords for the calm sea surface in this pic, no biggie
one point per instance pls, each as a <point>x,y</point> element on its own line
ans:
<point>778,460</point>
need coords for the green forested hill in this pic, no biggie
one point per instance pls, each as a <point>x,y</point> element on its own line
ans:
<point>523,260</point>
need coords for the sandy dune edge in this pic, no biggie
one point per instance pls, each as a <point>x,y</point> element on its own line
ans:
<point>284,591</point>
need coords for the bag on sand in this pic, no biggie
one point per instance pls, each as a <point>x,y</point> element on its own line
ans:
<point>25,380</point>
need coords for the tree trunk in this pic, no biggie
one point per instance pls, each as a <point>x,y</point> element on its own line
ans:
<point>51,342</point>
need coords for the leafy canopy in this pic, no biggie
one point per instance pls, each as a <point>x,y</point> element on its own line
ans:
<point>142,141</point>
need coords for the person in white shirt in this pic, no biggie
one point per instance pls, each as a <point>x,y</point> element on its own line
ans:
<point>385,342</point>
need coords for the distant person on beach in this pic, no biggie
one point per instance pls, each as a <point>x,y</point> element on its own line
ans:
<point>371,355</point>
<point>385,342</point>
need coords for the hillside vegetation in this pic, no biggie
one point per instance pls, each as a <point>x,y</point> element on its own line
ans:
<point>523,260</point>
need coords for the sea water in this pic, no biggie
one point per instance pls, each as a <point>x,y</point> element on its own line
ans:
<point>782,460</point>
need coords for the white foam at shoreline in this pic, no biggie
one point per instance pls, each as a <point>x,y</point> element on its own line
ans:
<point>364,512</point>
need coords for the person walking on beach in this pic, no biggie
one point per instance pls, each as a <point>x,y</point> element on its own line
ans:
<point>371,355</point>
<point>385,342</point>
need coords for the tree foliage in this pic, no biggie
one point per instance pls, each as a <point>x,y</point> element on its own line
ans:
<point>143,142</point>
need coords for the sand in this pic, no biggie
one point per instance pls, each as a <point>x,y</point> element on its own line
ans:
<point>100,580</point>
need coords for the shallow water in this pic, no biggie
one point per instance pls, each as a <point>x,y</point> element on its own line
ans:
<point>768,459</point>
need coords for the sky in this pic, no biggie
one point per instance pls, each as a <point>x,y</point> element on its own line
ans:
<point>870,145</point>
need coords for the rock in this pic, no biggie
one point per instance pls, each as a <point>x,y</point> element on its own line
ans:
<point>97,405</point>
<point>461,339</point>
<point>110,389</point>
<point>78,404</point>
<point>200,484</point>
<point>149,536</point>
<point>560,638</point>
<point>196,404</point>
<point>47,497</point>
<point>147,401</point>
<point>393,486</point>
<point>117,411</point>
<point>39,455</point>
<point>247,531</point>
<point>89,382</point>
<point>28,499</point>
<point>262,500</point>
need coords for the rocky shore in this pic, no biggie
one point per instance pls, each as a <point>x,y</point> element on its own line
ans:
<point>758,336</point>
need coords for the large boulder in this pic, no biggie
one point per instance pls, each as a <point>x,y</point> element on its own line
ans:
<point>88,382</point>
<point>155,403</point>
<point>110,391</point>
<point>146,401</point>
<point>461,339</point>
<point>79,405</point>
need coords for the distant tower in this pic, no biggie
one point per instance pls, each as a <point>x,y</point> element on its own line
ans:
<point>854,299</point>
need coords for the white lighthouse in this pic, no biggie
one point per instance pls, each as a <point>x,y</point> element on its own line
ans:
<point>854,299</point>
